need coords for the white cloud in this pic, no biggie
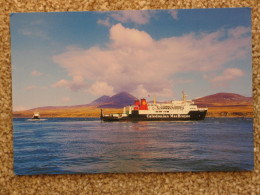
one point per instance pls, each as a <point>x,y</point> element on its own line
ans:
<point>104,22</point>
<point>131,38</point>
<point>36,73</point>
<point>30,87</point>
<point>140,91</point>
<point>37,22</point>
<point>61,83</point>
<point>25,32</point>
<point>228,75</point>
<point>34,32</point>
<point>44,87</point>
<point>101,88</point>
<point>76,84</point>
<point>65,99</point>
<point>134,16</point>
<point>174,14</point>
<point>133,61</point>
<point>239,31</point>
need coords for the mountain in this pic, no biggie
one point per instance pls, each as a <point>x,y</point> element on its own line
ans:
<point>103,99</point>
<point>116,101</point>
<point>224,99</point>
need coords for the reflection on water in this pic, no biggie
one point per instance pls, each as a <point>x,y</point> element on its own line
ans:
<point>77,145</point>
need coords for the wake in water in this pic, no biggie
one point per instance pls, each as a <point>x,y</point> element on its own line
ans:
<point>37,119</point>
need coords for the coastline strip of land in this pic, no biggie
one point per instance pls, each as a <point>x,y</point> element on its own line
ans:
<point>92,111</point>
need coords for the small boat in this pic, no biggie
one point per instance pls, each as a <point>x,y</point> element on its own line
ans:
<point>36,115</point>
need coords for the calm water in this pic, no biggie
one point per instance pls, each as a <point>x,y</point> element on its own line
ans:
<point>77,145</point>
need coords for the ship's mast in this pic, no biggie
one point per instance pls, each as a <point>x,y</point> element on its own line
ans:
<point>183,96</point>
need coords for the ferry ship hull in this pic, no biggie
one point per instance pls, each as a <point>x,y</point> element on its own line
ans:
<point>191,116</point>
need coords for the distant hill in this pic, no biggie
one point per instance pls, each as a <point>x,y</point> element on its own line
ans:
<point>116,101</point>
<point>103,99</point>
<point>224,99</point>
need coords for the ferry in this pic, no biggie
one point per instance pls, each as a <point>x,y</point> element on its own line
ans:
<point>182,110</point>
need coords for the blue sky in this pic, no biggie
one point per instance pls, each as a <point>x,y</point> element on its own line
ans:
<point>73,58</point>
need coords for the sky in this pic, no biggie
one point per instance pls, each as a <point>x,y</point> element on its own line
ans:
<point>72,58</point>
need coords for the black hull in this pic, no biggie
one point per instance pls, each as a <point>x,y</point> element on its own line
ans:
<point>191,116</point>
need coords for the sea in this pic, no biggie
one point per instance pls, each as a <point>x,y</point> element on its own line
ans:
<point>87,145</point>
